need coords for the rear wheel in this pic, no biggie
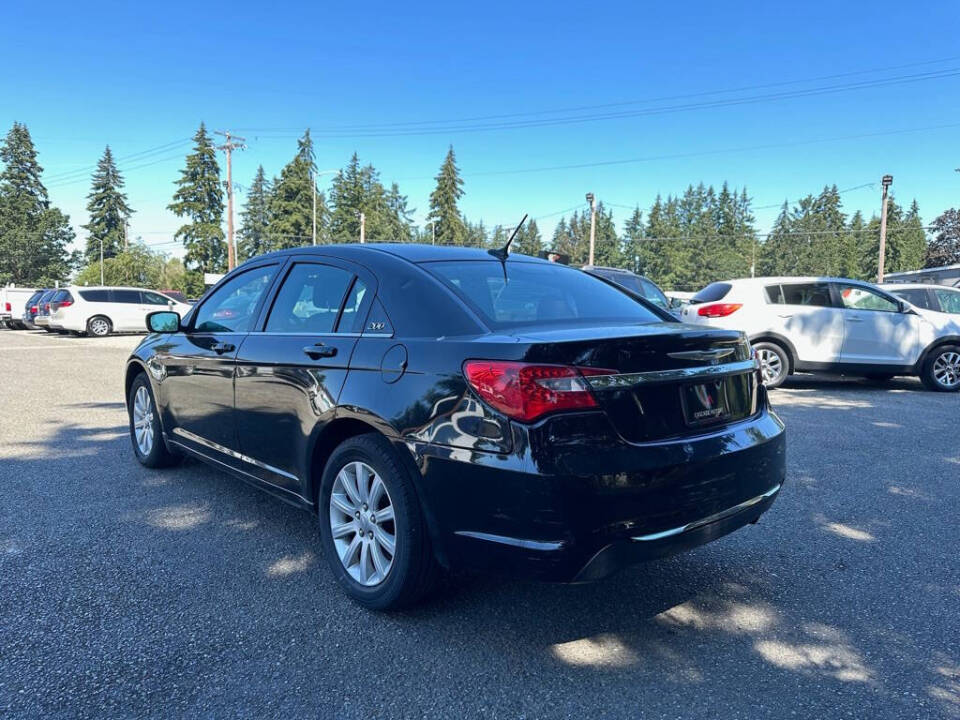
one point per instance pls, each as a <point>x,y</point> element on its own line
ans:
<point>941,369</point>
<point>774,363</point>
<point>99,326</point>
<point>372,528</point>
<point>148,444</point>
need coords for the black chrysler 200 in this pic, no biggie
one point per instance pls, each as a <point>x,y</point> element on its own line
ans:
<point>443,408</point>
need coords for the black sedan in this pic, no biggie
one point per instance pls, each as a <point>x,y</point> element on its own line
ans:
<point>442,408</point>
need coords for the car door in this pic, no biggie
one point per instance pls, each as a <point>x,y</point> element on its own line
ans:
<point>198,364</point>
<point>123,309</point>
<point>152,302</point>
<point>804,313</point>
<point>877,331</point>
<point>290,373</point>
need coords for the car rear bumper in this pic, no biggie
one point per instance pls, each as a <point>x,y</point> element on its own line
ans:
<point>615,504</point>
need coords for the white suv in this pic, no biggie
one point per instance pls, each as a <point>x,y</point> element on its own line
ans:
<point>833,325</point>
<point>100,311</point>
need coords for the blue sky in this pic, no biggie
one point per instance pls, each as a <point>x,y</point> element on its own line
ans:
<point>785,97</point>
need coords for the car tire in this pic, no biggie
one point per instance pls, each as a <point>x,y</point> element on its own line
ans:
<point>99,326</point>
<point>359,554</point>
<point>145,432</point>
<point>941,369</point>
<point>774,363</point>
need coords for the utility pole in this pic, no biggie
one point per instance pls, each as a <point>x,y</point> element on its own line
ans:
<point>101,262</point>
<point>313,183</point>
<point>886,182</point>
<point>228,147</point>
<point>126,235</point>
<point>363,228</point>
<point>593,224</point>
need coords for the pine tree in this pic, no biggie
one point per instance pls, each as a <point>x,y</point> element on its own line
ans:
<point>34,237</point>
<point>357,189</point>
<point>109,211</point>
<point>944,249</point>
<point>399,221</point>
<point>528,241</point>
<point>252,237</point>
<point>199,199</point>
<point>291,202</point>
<point>444,212</point>
<point>634,245</point>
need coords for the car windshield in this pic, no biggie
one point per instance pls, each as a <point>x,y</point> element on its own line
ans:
<point>529,293</point>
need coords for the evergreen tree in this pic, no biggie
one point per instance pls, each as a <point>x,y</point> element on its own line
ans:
<point>906,241</point>
<point>290,206</point>
<point>476,234</point>
<point>634,246</point>
<point>109,211</point>
<point>528,241</point>
<point>357,189</point>
<point>399,220</point>
<point>444,212</point>
<point>34,237</point>
<point>944,249</point>
<point>573,238</point>
<point>252,237</point>
<point>199,199</point>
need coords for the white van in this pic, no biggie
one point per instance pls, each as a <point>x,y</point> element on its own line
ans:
<point>12,306</point>
<point>100,311</point>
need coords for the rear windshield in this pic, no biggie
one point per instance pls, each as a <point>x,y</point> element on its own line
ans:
<point>711,293</point>
<point>534,293</point>
<point>61,296</point>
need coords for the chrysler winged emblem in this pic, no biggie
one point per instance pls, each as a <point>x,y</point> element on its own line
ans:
<point>709,356</point>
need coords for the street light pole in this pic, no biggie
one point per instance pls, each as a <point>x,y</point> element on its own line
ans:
<point>593,224</point>
<point>101,262</point>
<point>886,182</point>
<point>363,227</point>
<point>313,183</point>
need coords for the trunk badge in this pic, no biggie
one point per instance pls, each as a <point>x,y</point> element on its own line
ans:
<point>711,356</point>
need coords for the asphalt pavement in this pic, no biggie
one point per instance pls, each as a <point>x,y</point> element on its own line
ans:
<point>128,592</point>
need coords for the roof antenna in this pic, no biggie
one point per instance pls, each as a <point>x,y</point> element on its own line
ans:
<point>502,253</point>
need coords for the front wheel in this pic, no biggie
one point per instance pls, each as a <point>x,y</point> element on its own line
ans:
<point>371,526</point>
<point>148,444</point>
<point>774,364</point>
<point>941,369</point>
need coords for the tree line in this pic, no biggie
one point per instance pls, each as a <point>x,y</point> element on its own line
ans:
<point>681,241</point>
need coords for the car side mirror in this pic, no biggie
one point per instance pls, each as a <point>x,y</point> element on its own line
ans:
<point>163,321</point>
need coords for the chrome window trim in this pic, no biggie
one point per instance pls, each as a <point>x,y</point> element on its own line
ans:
<point>319,334</point>
<point>710,518</point>
<point>605,382</point>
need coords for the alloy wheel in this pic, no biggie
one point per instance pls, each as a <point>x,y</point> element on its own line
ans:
<point>99,327</point>
<point>946,369</point>
<point>362,523</point>
<point>771,365</point>
<point>143,420</point>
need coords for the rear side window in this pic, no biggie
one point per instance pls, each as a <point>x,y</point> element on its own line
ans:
<point>811,294</point>
<point>711,293</point>
<point>949,300</point>
<point>527,293</point>
<point>95,295</point>
<point>131,297</point>
<point>309,300</point>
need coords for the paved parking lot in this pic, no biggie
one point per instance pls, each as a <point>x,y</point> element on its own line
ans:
<point>129,592</point>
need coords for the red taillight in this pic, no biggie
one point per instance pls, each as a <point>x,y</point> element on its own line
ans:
<point>33,309</point>
<point>46,306</point>
<point>719,309</point>
<point>65,303</point>
<point>526,392</point>
<point>7,305</point>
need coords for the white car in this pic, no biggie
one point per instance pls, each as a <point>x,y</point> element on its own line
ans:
<point>12,306</point>
<point>938,298</point>
<point>100,311</point>
<point>833,325</point>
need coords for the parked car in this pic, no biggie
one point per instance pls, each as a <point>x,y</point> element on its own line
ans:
<point>679,299</point>
<point>833,325</point>
<point>31,307</point>
<point>535,420</point>
<point>637,284</point>
<point>938,298</point>
<point>42,317</point>
<point>99,311</point>
<point>12,303</point>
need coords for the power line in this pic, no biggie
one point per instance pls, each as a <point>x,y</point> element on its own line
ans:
<point>120,159</point>
<point>125,170</point>
<point>555,111</point>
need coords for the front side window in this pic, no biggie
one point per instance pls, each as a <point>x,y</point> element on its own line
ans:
<point>815,294</point>
<point>309,300</point>
<point>949,300</point>
<point>152,298</point>
<point>523,293</point>
<point>233,306</point>
<point>857,297</point>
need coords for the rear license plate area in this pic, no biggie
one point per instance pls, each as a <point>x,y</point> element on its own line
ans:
<point>711,402</point>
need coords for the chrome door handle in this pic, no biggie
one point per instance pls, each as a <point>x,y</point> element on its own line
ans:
<point>221,347</point>
<point>320,351</point>
<point>786,315</point>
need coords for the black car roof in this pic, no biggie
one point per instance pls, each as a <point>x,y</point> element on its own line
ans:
<point>413,252</point>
